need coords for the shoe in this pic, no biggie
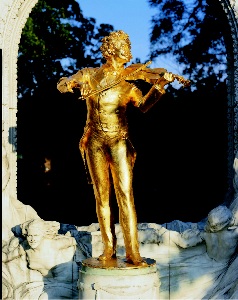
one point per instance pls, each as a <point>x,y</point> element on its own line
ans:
<point>136,260</point>
<point>108,254</point>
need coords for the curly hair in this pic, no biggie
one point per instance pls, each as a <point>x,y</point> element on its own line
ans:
<point>218,218</point>
<point>109,43</point>
<point>48,228</point>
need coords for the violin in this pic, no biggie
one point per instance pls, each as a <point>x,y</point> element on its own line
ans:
<point>150,75</point>
<point>140,71</point>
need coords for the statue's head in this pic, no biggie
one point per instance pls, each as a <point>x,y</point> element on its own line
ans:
<point>219,218</point>
<point>117,43</point>
<point>35,230</point>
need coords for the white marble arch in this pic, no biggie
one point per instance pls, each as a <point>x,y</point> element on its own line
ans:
<point>13,16</point>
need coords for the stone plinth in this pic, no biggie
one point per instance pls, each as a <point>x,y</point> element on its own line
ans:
<point>118,279</point>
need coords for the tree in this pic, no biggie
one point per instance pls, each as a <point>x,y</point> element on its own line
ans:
<point>56,40</point>
<point>194,32</point>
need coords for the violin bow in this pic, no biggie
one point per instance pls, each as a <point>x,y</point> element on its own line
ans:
<point>117,81</point>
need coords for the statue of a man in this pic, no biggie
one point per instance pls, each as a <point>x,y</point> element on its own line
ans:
<point>105,140</point>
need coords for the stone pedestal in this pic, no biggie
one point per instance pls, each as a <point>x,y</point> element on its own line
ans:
<point>118,279</point>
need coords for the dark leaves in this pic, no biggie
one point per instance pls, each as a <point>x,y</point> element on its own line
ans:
<point>57,30</point>
<point>193,32</point>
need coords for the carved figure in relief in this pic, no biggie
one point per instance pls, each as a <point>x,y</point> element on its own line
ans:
<point>220,235</point>
<point>209,256</point>
<point>220,261</point>
<point>105,141</point>
<point>51,254</point>
<point>14,211</point>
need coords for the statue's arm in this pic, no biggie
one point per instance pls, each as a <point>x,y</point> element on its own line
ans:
<point>81,80</point>
<point>154,94</point>
<point>186,239</point>
<point>66,84</point>
<point>66,242</point>
<point>148,101</point>
<point>190,238</point>
<point>147,236</point>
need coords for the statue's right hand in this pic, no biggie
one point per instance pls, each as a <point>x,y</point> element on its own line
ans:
<point>73,83</point>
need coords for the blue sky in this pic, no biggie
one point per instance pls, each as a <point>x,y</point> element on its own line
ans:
<point>133,17</point>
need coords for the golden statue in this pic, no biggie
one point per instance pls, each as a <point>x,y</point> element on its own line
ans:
<point>105,142</point>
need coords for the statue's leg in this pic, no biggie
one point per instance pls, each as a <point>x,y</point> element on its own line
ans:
<point>121,167</point>
<point>98,165</point>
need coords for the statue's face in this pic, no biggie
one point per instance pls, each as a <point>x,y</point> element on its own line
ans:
<point>214,224</point>
<point>123,51</point>
<point>34,237</point>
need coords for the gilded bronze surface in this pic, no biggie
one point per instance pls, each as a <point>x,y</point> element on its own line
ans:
<point>105,144</point>
<point>116,263</point>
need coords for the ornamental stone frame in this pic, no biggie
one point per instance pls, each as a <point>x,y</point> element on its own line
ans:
<point>13,16</point>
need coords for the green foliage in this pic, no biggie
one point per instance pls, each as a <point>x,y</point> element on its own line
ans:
<point>56,41</point>
<point>193,31</point>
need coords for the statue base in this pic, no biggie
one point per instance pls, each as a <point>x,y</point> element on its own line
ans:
<point>117,279</point>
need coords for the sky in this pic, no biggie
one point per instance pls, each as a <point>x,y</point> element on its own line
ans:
<point>133,17</point>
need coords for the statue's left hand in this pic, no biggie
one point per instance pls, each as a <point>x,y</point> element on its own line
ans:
<point>167,78</point>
